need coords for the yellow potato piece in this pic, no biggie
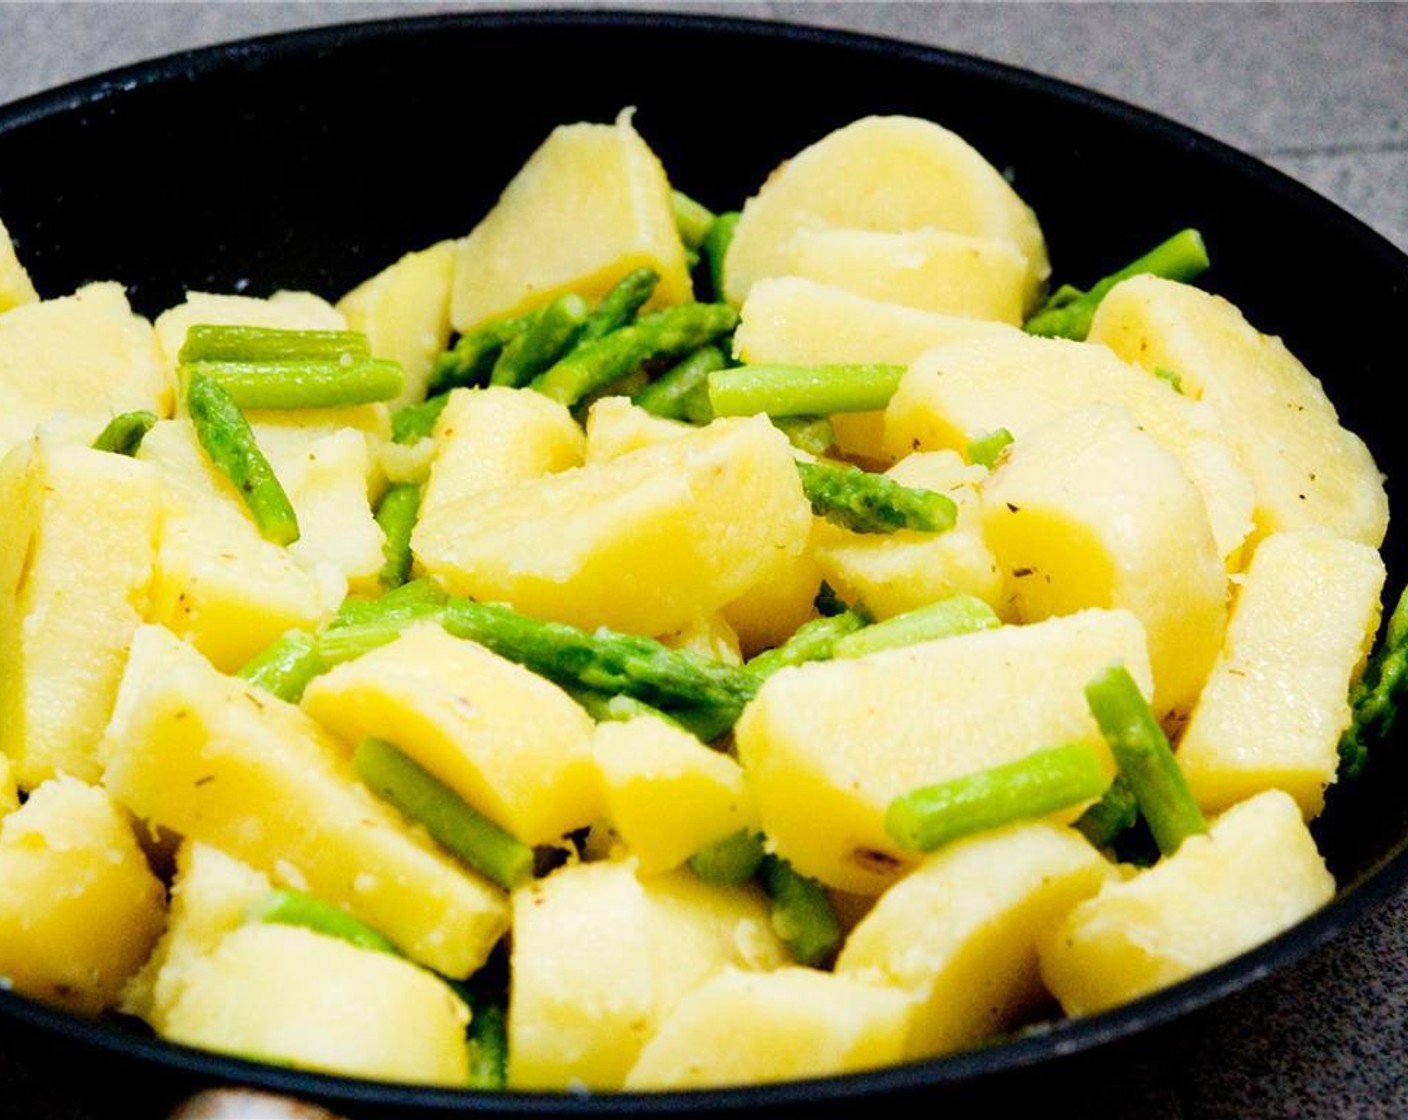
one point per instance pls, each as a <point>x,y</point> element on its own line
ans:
<point>887,174</point>
<point>1309,471</point>
<point>1088,511</point>
<point>15,285</point>
<point>827,746</point>
<point>337,531</point>
<point>9,792</point>
<point>77,545</point>
<point>589,206</point>
<point>644,543</point>
<point>1275,705</point>
<point>616,426</point>
<point>960,935</point>
<point>404,310</point>
<point>295,997</point>
<point>1253,875</point>
<point>743,1028</point>
<point>709,635</point>
<point>510,743</point>
<point>600,958</point>
<point>79,909</point>
<point>208,757</point>
<point>768,613</point>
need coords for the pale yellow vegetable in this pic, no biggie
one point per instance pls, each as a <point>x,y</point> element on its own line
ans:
<point>1253,875</point>
<point>295,997</point>
<point>827,746</point>
<point>510,743</point>
<point>1309,471</point>
<point>746,1028</point>
<point>86,355</point>
<point>9,792</point>
<point>208,757</point>
<point>337,531</point>
<point>77,544</point>
<point>887,174</point>
<point>960,935</point>
<point>667,795</point>
<point>600,958</point>
<point>79,909</point>
<point>15,285</point>
<point>404,310</point>
<point>589,206</point>
<point>615,426</point>
<point>643,543</point>
<point>1275,706</point>
<point>768,613</point>
<point>710,635</point>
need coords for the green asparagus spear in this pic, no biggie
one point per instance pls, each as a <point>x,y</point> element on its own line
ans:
<point>947,618</point>
<point>715,248</point>
<point>692,219</point>
<point>488,1046</point>
<point>871,503</point>
<point>1145,760</point>
<point>125,432</point>
<point>366,629</point>
<point>420,598</point>
<point>470,360</point>
<point>812,434</point>
<point>550,333</point>
<point>1116,811</point>
<point>415,422</point>
<point>1041,783</point>
<point>706,724</point>
<point>734,859</point>
<point>285,667</point>
<point>802,390</point>
<point>985,449</point>
<point>682,391</point>
<point>325,383</point>
<point>1069,311</point>
<point>422,798</point>
<point>619,306</point>
<point>207,342</point>
<point>229,441</point>
<point>802,914</point>
<point>396,514</point>
<point>663,334</point>
<point>295,908</point>
<point>1374,699</point>
<point>816,640</point>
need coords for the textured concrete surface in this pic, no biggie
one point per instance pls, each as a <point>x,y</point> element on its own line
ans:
<point>1320,91</point>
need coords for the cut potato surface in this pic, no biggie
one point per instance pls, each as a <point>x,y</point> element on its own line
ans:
<point>15,285</point>
<point>615,426</point>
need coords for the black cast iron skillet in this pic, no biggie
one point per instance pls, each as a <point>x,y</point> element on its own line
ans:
<point>313,159</point>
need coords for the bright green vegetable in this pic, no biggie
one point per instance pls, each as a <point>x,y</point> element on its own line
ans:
<point>419,598</point>
<point>816,640</point>
<point>1068,311</point>
<point>415,422</point>
<point>367,628</point>
<point>550,333</point>
<point>488,1046</point>
<point>715,248</point>
<point>229,441</point>
<point>985,449</point>
<point>211,342</point>
<point>619,306</point>
<point>396,514</point>
<point>734,859</point>
<point>285,667</point>
<point>871,503</point>
<point>692,219</point>
<point>422,798</point>
<point>664,334</point>
<point>802,914</point>
<point>812,434</point>
<point>295,908</point>
<point>470,360</point>
<point>802,390</point>
<point>1116,812</point>
<point>125,432</point>
<point>705,724</point>
<point>1374,699</point>
<point>947,618</point>
<point>321,383</point>
<point>682,391</point>
<point>1041,783</point>
<point>1145,760</point>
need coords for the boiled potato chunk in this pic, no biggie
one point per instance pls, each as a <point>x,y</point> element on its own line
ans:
<point>1275,706</point>
<point>962,390</point>
<point>15,286</point>
<point>589,206</point>
<point>513,745</point>
<point>337,530</point>
<point>216,761</point>
<point>615,426</point>
<point>79,908</point>
<point>767,614</point>
<point>976,277</point>
<point>600,958</point>
<point>295,997</point>
<point>644,543</point>
<point>291,311</point>
<point>404,311</point>
<point>1253,875</point>
<point>745,1028</point>
<point>668,795</point>
<point>9,791</point>
<point>1088,511</point>
<point>887,174</point>
<point>77,544</point>
<point>87,355</point>
<point>891,573</point>
<point>1309,471</point>
<point>828,745</point>
<point>709,635</point>
<point>960,935</point>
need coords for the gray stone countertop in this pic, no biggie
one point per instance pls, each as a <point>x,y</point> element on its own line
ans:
<point>1318,90</point>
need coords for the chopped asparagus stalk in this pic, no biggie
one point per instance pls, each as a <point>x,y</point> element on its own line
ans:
<point>802,390</point>
<point>802,914</point>
<point>948,618</point>
<point>664,334</point>
<point>816,640</point>
<point>422,798</point>
<point>550,333</point>
<point>295,908</point>
<point>871,503</point>
<point>812,434</point>
<point>1069,311</point>
<point>415,422</point>
<point>734,859</point>
<point>125,432</point>
<point>420,598</point>
<point>1143,755</point>
<point>985,450</point>
<point>303,384</point>
<point>692,219</point>
<point>1041,783</point>
<point>704,723</point>
<point>471,359</point>
<point>229,441</point>
<point>206,342</point>
<point>1374,699</point>
<point>488,1046</point>
<point>682,391</point>
<point>715,248</point>
<point>1116,811</point>
<point>396,515</point>
<point>619,306</point>
<point>285,667</point>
